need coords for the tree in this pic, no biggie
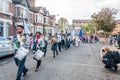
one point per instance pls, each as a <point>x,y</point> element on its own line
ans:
<point>89,28</point>
<point>105,19</point>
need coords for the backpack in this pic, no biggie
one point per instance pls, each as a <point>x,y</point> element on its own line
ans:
<point>111,58</point>
<point>108,59</point>
<point>116,56</point>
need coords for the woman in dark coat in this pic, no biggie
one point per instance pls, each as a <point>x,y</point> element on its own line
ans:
<point>54,46</point>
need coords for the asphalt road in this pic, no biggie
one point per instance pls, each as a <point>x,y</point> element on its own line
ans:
<point>77,63</point>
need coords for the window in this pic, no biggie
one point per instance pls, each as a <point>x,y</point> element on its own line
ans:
<point>25,13</point>
<point>17,11</point>
<point>36,18</point>
<point>21,12</point>
<point>4,6</point>
<point>1,5</point>
<point>7,9</point>
<point>1,29</point>
<point>40,19</point>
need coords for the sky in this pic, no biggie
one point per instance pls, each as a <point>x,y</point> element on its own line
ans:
<point>77,9</point>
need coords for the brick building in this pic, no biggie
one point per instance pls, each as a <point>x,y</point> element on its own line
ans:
<point>6,10</point>
<point>117,27</point>
<point>21,13</point>
<point>81,22</point>
<point>38,19</point>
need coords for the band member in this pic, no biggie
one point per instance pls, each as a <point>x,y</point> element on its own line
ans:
<point>19,40</point>
<point>59,42</point>
<point>63,41</point>
<point>54,45</point>
<point>46,43</point>
<point>36,46</point>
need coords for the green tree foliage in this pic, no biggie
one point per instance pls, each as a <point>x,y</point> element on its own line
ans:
<point>105,19</point>
<point>88,28</point>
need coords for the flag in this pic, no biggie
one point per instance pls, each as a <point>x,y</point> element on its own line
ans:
<point>26,29</point>
<point>80,33</point>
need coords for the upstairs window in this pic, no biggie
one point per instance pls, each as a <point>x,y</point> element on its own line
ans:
<point>17,11</point>
<point>4,6</point>
<point>1,5</point>
<point>7,9</point>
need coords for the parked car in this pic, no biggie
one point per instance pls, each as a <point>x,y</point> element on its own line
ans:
<point>6,47</point>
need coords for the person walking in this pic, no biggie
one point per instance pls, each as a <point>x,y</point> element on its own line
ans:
<point>118,40</point>
<point>110,40</point>
<point>30,40</point>
<point>19,40</point>
<point>63,41</point>
<point>59,42</point>
<point>68,41</point>
<point>77,41</point>
<point>35,47</point>
<point>46,43</point>
<point>54,45</point>
<point>41,43</point>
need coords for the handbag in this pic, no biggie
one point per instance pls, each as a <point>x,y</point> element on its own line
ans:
<point>38,55</point>
<point>21,53</point>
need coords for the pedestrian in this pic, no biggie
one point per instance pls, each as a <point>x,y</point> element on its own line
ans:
<point>35,47</point>
<point>30,40</point>
<point>59,42</point>
<point>110,40</point>
<point>41,43</point>
<point>110,59</point>
<point>63,41</point>
<point>54,45</point>
<point>118,40</point>
<point>19,40</point>
<point>77,40</point>
<point>69,40</point>
<point>46,43</point>
<point>91,38</point>
<point>115,40</point>
<point>96,39</point>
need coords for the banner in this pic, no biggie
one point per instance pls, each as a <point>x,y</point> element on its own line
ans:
<point>80,33</point>
<point>26,27</point>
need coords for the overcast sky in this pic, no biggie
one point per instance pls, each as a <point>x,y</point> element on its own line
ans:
<point>77,9</point>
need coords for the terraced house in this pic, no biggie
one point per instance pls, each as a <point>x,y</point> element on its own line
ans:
<point>6,13</point>
<point>21,13</point>
<point>38,18</point>
<point>24,12</point>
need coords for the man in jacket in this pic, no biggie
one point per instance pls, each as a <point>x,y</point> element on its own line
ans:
<point>19,40</point>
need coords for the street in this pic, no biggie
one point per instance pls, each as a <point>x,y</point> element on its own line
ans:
<point>76,63</point>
